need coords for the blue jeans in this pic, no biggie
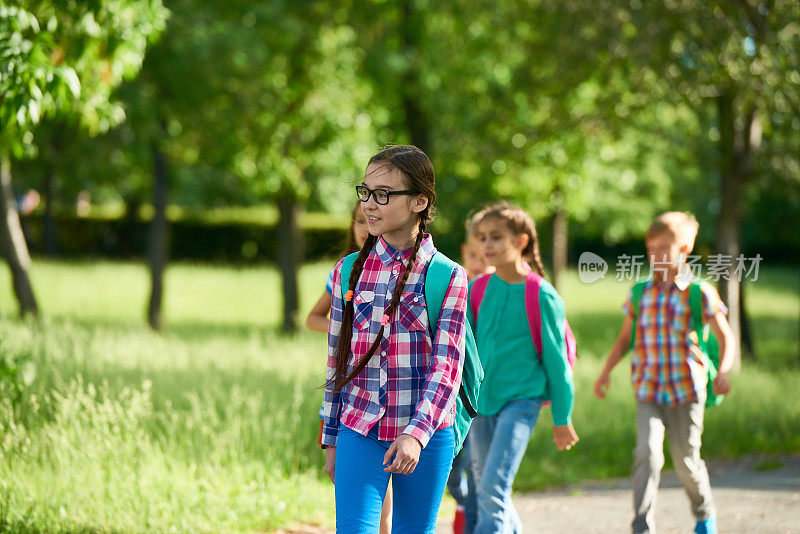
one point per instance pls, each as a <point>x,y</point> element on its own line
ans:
<point>497,445</point>
<point>461,484</point>
<point>360,483</point>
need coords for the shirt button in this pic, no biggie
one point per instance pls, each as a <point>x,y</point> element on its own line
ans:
<point>416,299</point>
<point>383,353</point>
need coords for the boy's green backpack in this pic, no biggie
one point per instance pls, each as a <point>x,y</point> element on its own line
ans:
<point>437,280</point>
<point>706,341</point>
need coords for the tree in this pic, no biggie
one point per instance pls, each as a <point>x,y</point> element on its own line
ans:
<point>61,59</point>
<point>739,58</point>
<point>509,100</point>
<point>299,99</point>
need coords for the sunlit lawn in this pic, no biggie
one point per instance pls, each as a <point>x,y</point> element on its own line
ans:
<point>211,425</point>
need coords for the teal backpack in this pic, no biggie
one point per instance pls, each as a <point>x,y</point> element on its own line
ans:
<point>437,280</point>
<point>706,341</point>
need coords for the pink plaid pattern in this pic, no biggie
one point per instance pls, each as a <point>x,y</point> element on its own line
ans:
<point>410,384</point>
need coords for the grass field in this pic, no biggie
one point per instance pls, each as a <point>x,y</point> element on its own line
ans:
<point>211,425</point>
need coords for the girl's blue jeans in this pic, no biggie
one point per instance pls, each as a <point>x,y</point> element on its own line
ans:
<point>461,484</point>
<point>360,483</point>
<point>497,445</point>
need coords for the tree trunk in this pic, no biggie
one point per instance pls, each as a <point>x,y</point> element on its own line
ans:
<point>290,255</point>
<point>560,239</point>
<point>48,223</point>
<point>748,347</point>
<point>158,245</point>
<point>736,155</point>
<point>14,248</point>
<point>130,239</point>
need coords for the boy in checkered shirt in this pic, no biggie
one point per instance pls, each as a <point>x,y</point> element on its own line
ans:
<point>668,372</point>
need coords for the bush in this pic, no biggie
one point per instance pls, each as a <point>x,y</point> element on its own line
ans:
<point>191,239</point>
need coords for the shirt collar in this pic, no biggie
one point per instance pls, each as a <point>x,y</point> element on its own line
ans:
<point>667,287</point>
<point>388,255</point>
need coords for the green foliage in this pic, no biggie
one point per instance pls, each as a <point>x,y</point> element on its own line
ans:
<point>17,373</point>
<point>610,118</point>
<point>65,58</point>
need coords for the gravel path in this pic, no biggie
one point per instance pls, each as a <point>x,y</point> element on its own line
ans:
<point>753,496</point>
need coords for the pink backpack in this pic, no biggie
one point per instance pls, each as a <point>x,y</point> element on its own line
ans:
<point>533,283</point>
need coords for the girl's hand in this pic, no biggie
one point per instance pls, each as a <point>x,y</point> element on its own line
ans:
<point>565,437</point>
<point>330,462</point>
<point>722,386</point>
<point>601,385</point>
<point>405,450</point>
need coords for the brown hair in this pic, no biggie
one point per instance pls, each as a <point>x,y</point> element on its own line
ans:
<point>681,226</point>
<point>471,224</point>
<point>352,246</point>
<point>519,222</point>
<point>418,175</point>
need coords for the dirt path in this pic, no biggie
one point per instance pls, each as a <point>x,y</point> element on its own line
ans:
<point>753,496</point>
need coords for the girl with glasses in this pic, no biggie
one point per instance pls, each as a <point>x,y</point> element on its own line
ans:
<point>317,321</point>
<point>392,379</point>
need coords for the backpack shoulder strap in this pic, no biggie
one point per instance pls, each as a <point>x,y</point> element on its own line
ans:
<point>636,295</point>
<point>476,294</point>
<point>437,281</point>
<point>636,299</point>
<point>347,269</point>
<point>696,304</point>
<point>533,284</point>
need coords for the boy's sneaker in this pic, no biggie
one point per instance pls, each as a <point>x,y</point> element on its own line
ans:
<point>460,520</point>
<point>708,526</point>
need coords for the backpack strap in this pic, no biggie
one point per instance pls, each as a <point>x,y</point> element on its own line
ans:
<point>476,295</point>
<point>437,282</point>
<point>533,284</point>
<point>696,304</point>
<point>636,299</point>
<point>347,269</point>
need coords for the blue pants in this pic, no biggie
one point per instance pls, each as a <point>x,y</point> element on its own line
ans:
<point>461,484</point>
<point>497,445</point>
<point>360,483</point>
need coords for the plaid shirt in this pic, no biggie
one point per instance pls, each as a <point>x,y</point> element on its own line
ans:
<point>410,384</point>
<point>667,367</point>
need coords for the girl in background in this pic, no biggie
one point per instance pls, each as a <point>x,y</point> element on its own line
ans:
<point>461,482</point>
<point>516,378</point>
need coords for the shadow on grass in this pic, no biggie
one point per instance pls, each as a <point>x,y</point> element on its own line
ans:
<point>21,526</point>
<point>184,330</point>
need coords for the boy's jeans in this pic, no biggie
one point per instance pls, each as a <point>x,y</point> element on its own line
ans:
<point>684,426</point>
<point>497,445</point>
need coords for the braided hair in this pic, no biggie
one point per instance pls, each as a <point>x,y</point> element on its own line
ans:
<point>417,171</point>
<point>519,222</point>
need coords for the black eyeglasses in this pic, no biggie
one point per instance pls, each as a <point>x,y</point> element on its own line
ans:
<point>381,196</point>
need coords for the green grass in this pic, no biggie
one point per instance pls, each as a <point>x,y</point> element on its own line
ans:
<point>211,425</point>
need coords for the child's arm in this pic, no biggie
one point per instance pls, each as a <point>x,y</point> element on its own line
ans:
<point>559,375</point>
<point>331,404</point>
<point>317,319</point>
<point>727,349</point>
<point>617,352</point>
